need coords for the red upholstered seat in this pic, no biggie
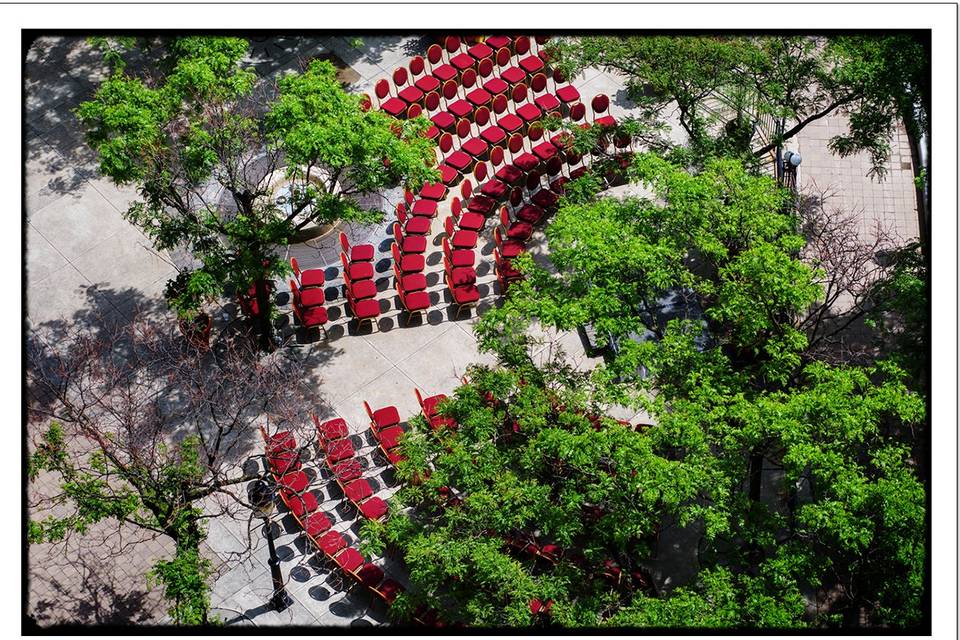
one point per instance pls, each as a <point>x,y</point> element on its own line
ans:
<point>464,239</point>
<point>413,282</point>
<point>283,441</point>
<point>390,437</point>
<point>433,191</point>
<point>410,263</point>
<point>497,41</point>
<point>331,542</point>
<point>417,225</point>
<point>459,160</point>
<point>568,93</point>
<point>462,258</point>
<point>531,64</point>
<point>526,161</point>
<point>349,559</point>
<point>509,174</point>
<point>286,461</point>
<point>547,102</point>
<point>358,490</point>
<point>394,106</point>
<point>410,94</point>
<point>431,133</point>
<point>544,198</point>
<point>493,135</point>
<point>495,86</point>
<point>508,272</point>
<point>389,590</point>
<point>448,175</point>
<point>557,185</point>
<point>494,189</point>
<point>472,221</point>
<point>313,316</point>
<point>444,120</point>
<point>303,504</point>
<point>479,97</point>
<point>386,417</point>
<point>338,450</point>
<point>511,248</point>
<point>606,121</point>
<point>481,204</point>
<point>366,309</point>
<point>513,75</point>
<point>510,122</point>
<point>520,230</point>
<point>427,84</point>
<point>427,208</point>
<point>462,61</point>
<point>295,482</point>
<point>334,429</point>
<point>431,404</point>
<point>348,470</point>
<point>312,278</point>
<point>545,150</point>
<point>460,108</point>
<point>361,253</point>
<point>530,213</point>
<point>363,289</point>
<point>529,112</point>
<point>475,147</point>
<point>374,508</point>
<point>578,173</point>
<point>416,301</point>
<point>360,270</point>
<point>311,297</point>
<point>443,72</point>
<point>370,575</point>
<point>461,276</point>
<point>439,422</point>
<point>414,244</point>
<point>316,524</point>
<point>480,51</point>
<point>394,456</point>
<point>465,294</point>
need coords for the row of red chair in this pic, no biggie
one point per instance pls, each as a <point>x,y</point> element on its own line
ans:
<point>410,234</point>
<point>430,406</point>
<point>385,426</point>
<point>333,437</point>
<point>357,262</point>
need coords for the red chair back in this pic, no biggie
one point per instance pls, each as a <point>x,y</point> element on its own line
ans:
<point>366,405</point>
<point>296,267</point>
<point>395,250</point>
<point>416,391</point>
<point>432,101</point>
<point>485,68</point>
<point>452,43</point>
<point>558,76</point>
<point>503,56</point>
<point>448,226</point>
<point>446,142</point>
<point>365,102</point>
<point>382,88</point>
<point>398,279</point>
<point>446,247</point>
<point>417,65</point>
<point>397,235</point>
<point>344,243</point>
<point>539,83</point>
<point>519,93</point>
<point>535,131</point>
<point>515,143</point>
<point>554,165</point>
<point>522,45</point>
<point>578,112</point>
<point>295,293</point>
<point>408,196</point>
<point>542,39</point>
<point>456,207</point>
<point>399,77</point>
<point>516,197</point>
<point>401,213</point>
<point>434,53</point>
<point>481,116</point>
<point>600,103</point>
<point>533,180</point>
<point>346,268</point>
<point>499,104</point>
<point>413,111</point>
<point>496,256</point>
<point>480,171</point>
<point>497,234</point>
<point>466,188</point>
<point>463,128</point>
<point>504,218</point>
<point>496,156</point>
<point>469,78</point>
<point>449,89</point>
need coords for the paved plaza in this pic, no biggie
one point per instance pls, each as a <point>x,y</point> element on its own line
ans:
<point>82,255</point>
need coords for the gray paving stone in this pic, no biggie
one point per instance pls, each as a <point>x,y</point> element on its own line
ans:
<point>391,388</point>
<point>438,367</point>
<point>76,226</point>
<point>43,260</point>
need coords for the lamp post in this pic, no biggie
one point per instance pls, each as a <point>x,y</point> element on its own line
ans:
<point>791,160</point>
<point>261,495</point>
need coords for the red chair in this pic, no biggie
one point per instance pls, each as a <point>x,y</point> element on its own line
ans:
<point>415,225</point>
<point>462,61</point>
<point>333,429</point>
<point>532,63</point>
<point>410,263</point>
<point>308,297</point>
<point>411,94</point>
<point>464,297</point>
<point>382,418</point>
<point>481,52</point>
<point>421,79</point>
<point>461,239</point>
<point>301,505</point>
<point>316,524</point>
<point>530,213</point>
<point>505,270</point>
<point>504,171</point>
<point>543,98</point>
<point>393,106</point>
<point>359,289</point>
<point>365,102</point>
<point>310,317</point>
<point>543,150</point>
<point>414,111</point>
<point>363,310</point>
<point>438,69</point>
<point>459,257</point>
<point>498,42</point>
<point>413,302</point>
<point>388,590</point>
<point>410,243</point>
<point>492,134</point>
<point>457,159</point>
<point>599,105</point>
<point>489,82</point>
<point>357,270</point>
<point>459,276</point>
<point>567,94</point>
<point>307,278</point>
<point>478,97</point>
<point>494,189</point>
<point>357,253</point>
<point>520,231</point>
<point>528,111</point>
<point>509,248</point>
<point>436,191</point>
<point>509,122</point>
<point>522,160</point>
<point>480,204</point>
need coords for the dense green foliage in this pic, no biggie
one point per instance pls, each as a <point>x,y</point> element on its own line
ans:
<point>202,123</point>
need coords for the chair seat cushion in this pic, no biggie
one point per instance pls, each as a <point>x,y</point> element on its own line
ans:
<point>386,417</point>
<point>494,189</point>
<point>374,508</point>
<point>431,404</point>
<point>464,239</point>
<point>460,108</point>
<point>295,482</point>
<point>414,244</point>
<point>557,186</point>
<point>545,150</point>
<point>444,120</point>
<point>347,471</point>
<point>529,112</point>
<point>475,147</point>
<point>526,161</point>
<point>462,61</point>
<point>531,64</point>
<point>458,160</point>
<point>568,93</point>
<point>413,282</point>
<point>395,457</point>
<point>498,41</point>
<point>312,297</point>
<point>363,289</point>
<point>370,575</point>
<point>530,213</point>
<point>313,316</point>
<point>431,133</point>
<point>312,278</point>
<point>606,121</point>
<point>411,262</point>
<point>465,294</point>
<point>511,248</point>
<point>443,72</point>
<point>433,191</point>
<point>513,75</point>
<point>361,252</point>
<point>481,204</point>
<point>282,441</point>
<point>332,542</point>
<point>416,301</point>
<point>425,208</point>
<point>547,102</point>
<point>479,97</point>
<point>509,122</point>
<point>390,437</point>
<point>349,559</point>
<point>338,450</point>
<point>427,84</point>
<point>334,429</point>
<point>463,258</point>
<point>495,86</point>
<point>360,270</point>
<point>417,225</point>
<point>410,94</point>
<point>316,524</point>
<point>459,276</point>
<point>508,272</point>
<point>286,461</point>
<point>510,174</point>
<point>367,309</point>
<point>471,221</point>
<point>303,504</point>
<point>493,135</point>
<point>544,198</point>
<point>394,106</point>
<point>358,490</point>
<point>480,51</point>
<point>520,230</point>
<point>449,175</point>
<point>578,173</point>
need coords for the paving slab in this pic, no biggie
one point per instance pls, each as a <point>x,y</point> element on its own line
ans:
<point>345,374</point>
<point>77,225</point>
<point>438,367</point>
<point>391,388</point>
<point>42,258</point>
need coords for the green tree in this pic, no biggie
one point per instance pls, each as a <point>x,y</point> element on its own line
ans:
<point>204,124</point>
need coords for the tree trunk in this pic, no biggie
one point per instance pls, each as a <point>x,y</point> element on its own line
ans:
<point>264,307</point>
